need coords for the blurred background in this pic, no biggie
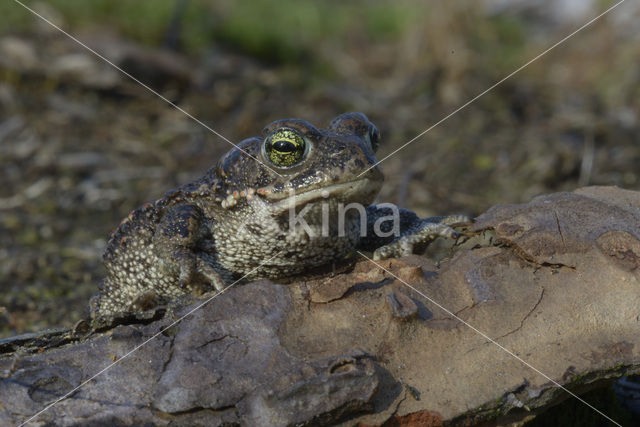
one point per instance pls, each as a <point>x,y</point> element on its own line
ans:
<point>81,145</point>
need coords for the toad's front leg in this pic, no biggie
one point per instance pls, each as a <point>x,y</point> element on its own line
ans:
<point>394,232</point>
<point>180,239</point>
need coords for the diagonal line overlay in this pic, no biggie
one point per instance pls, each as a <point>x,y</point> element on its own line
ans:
<point>499,82</point>
<point>153,91</point>
<point>506,350</point>
<point>136,348</point>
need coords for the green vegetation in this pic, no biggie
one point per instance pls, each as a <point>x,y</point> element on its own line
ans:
<point>266,28</point>
<point>286,31</point>
<point>142,20</point>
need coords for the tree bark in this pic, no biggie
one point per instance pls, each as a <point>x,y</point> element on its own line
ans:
<point>545,294</point>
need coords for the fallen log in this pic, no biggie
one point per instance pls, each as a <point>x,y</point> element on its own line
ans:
<point>540,305</point>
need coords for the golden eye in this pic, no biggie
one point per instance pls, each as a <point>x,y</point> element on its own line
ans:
<point>284,147</point>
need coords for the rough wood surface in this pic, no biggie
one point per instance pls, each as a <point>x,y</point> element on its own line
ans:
<point>555,281</point>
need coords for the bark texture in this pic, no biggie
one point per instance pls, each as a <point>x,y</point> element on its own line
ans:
<point>555,282</point>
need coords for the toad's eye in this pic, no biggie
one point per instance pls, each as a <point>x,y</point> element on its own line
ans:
<point>284,147</point>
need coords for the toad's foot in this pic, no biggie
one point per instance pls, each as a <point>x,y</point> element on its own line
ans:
<point>193,265</point>
<point>427,230</point>
<point>213,277</point>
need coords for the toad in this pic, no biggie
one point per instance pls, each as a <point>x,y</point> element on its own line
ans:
<point>274,206</point>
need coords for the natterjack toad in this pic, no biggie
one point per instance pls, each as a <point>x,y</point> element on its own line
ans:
<point>277,205</point>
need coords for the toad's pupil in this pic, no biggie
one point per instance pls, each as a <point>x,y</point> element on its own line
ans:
<point>284,146</point>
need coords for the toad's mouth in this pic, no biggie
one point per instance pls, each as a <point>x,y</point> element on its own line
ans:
<point>357,191</point>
